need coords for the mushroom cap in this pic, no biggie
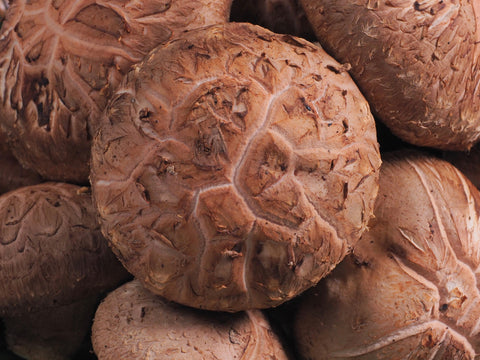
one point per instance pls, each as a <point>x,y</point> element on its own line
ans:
<point>280,16</point>
<point>234,168</point>
<point>51,249</point>
<point>409,289</point>
<point>13,175</point>
<point>467,163</point>
<point>61,60</point>
<point>416,62</point>
<point>132,323</point>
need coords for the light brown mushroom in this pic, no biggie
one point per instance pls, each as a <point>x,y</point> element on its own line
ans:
<point>235,168</point>
<point>61,60</point>
<point>409,290</point>
<point>132,323</point>
<point>52,254</point>
<point>416,62</point>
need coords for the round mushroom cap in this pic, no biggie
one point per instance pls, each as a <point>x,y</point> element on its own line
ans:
<point>467,163</point>
<point>13,175</point>
<point>409,290</point>
<point>52,251</point>
<point>416,62</point>
<point>280,16</point>
<point>61,60</point>
<point>132,323</point>
<point>235,168</point>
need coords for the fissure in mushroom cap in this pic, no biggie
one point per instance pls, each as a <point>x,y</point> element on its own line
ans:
<point>51,249</point>
<point>235,168</point>
<point>132,323</point>
<point>410,287</point>
<point>416,62</point>
<point>61,61</point>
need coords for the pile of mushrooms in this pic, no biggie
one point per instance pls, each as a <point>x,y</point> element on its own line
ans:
<point>178,181</point>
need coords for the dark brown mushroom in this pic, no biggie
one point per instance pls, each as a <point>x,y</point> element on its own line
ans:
<point>52,254</point>
<point>132,323</point>
<point>13,175</point>
<point>416,62</point>
<point>61,60</point>
<point>235,168</point>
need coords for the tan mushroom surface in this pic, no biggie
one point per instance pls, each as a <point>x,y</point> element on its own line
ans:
<point>52,254</point>
<point>409,290</point>
<point>132,323</point>
<point>416,62</point>
<point>61,60</point>
<point>235,168</point>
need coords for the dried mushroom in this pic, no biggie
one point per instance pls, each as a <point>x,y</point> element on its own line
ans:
<point>416,62</point>
<point>132,323</point>
<point>409,290</point>
<point>61,60</point>
<point>12,174</point>
<point>52,254</point>
<point>235,168</point>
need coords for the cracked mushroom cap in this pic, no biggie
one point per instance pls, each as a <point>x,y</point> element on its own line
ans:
<point>132,323</point>
<point>235,168</point>
<point>409,290</point>
<point>416,62</point>
<point>51,249</point>
<point>61,60</point>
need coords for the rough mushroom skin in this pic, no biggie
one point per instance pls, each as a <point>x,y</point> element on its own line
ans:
<point>61,60</point>
<point>409,290</point>
<point>13,175</point>
<point>52,251</point>
<point>132,323</point>
<point>280,16</point>
<point>235,168</point>
<point>416,62</point>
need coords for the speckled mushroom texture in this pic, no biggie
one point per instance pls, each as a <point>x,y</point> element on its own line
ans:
<point>60,60</point>
<point>132,323</point>
<point>280,16</point>
<point>409,290</point>
<point>235,168</point>
<point>416,62</point>
<point>51,249</point>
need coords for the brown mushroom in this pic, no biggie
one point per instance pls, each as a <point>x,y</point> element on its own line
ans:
<point>467,163</point>
<point>13,175</point>
<point>61,60</point>
<point>235,168</point>
<point>409,290</point>
<point>132,323</point>
<point>280,16</point>
<point>416,62</point>
<point>52,254</point>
